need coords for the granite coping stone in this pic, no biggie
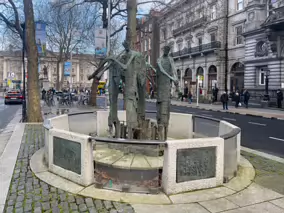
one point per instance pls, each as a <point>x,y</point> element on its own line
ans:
<point>242,181</point>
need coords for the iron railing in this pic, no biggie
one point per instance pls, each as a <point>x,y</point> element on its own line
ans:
<point>198,49</point>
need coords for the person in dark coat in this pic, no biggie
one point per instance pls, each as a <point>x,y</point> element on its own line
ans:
<point>43,92</point>
<point>185,93</point>
<point>246,98</point>
<point>237,99</point>
<point>224,99</point>
<point>279,98</point>
<point>189,97</point>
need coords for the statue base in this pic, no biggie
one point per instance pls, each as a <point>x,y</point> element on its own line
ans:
<point>45,83</point>
<point>147,130</point>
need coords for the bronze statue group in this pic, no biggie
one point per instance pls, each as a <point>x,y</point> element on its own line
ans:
<point>131,67</point>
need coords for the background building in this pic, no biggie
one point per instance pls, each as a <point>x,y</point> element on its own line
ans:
<point>11,69</point>
<point>231,44</point>
<point>196,31</point>
<point>148,42</point>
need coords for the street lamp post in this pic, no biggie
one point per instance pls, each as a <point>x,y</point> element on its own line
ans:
<point>24,106</point>
<point>267,74</point>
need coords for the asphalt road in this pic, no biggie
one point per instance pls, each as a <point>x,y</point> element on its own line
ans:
<point>7,112</point>
<point>262,134</point>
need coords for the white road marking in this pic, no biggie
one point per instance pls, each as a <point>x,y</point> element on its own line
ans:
<point>278,139</point>
<point>179,110</point>
<point>253,123</point>
<point>206,115</point>
<point>229,119</point>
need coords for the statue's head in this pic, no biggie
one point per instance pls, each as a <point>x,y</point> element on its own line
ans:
<point>167,50</point>
<point>126,45</point>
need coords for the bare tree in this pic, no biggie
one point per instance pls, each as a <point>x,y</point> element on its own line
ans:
<point>67,29</point>
<point>13,23</point>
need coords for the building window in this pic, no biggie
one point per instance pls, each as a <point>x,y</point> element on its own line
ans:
<point>239,38</point>
<point>188,44</point>
<point>150,27</point>
<point>261,77</point>
<point>171,27</point>
<point>145,45</point>
<point>81,77</point>
<point>149,44</point>
<point>213,37</point>
<point>200,41</point>
<point>73,70</point>
<point>213,12</point>
<point>240,4</point>
<point>179,46</point>
<point>164,33</point>
<point>54,70</point>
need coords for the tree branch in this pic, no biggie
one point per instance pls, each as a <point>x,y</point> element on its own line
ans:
<point>118,30</point>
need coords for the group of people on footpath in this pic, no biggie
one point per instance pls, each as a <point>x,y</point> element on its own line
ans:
<point>236,96</point>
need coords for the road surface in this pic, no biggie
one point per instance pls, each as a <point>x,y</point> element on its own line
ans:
<point>7,112</point>
<point>262,134</point>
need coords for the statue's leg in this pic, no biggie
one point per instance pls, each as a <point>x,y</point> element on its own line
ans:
<point>163,114</point>
<point>141,85</point>
<point>131,116</point>
<point>112,118</point>
<point>115,109</point>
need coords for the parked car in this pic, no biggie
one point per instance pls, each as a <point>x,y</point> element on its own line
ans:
<point>13,97</point>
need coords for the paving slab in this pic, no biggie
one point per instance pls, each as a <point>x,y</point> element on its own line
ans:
<point>278,202</point>
<point>179,208</point>
<point>132,198</point>
<point>37,167</point>
<point>265,207</point>
<point>252,195</point>
<point>218,205</point>
<point>202,195</point>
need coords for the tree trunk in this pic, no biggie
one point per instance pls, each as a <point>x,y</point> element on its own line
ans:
<point>131,22</point>
<point>34,109</point>
<point>57,75</point>
<point>62,76</point>
<point>93,97</point>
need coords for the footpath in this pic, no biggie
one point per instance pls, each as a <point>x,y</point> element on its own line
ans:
<point>259,112</point>
<point>259,189</point>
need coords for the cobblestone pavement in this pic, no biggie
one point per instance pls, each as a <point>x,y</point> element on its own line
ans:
<point>268,173</point>
<point>29,194</point>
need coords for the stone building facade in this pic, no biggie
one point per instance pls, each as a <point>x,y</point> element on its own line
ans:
<point>11,69</point>
<point>196,31</point>
<point>227,43</point>
<point>264,39</point>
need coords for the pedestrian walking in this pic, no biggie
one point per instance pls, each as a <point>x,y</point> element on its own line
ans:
<point>185,93</point>
<point>246,98</point>
<point>189,97</point>
<point>43,92</point>
<point>224,99</point>
<point>237,99</point>
<point>279,98</point>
